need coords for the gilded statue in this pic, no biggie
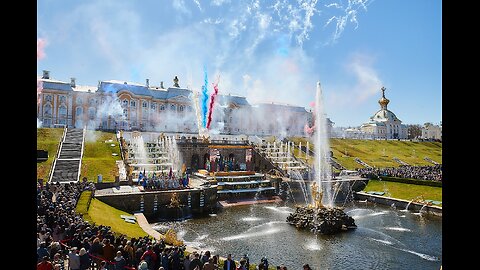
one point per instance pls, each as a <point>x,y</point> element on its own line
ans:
<point>317,196</point>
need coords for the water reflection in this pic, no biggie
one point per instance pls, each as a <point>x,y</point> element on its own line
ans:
<point>386,238</point>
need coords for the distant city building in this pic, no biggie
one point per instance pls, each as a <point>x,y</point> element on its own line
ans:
<point>114,105</point>
<point>431,132</point>
<point>384,124</point>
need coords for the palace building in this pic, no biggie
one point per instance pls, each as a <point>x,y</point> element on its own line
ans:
<point>115,105</point>
<point>384,124</point>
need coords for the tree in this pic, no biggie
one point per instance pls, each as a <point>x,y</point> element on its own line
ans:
<point>414,131</point>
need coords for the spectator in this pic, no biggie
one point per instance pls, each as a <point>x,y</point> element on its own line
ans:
<point>196,262</point>
<point>45,264</point>
<point>84,259</point>
<point>209,265</point>
<point>57,259</point>
<point>242,264</point>
<point>306,267</point>
<point>73,259</point>
<point>229,264</point>
<point>119,261</point>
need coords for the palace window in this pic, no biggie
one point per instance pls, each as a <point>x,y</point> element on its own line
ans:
<point>173,107</point>
<point>162,107</point>
<point>124,103</point>
<point>91,112</point>
<point>79,111</point>
<point>62,111</point>
<point>153,106</point>
<point>48,98</point>
<point>132,103</point>
<point>125,112</point>
<point>144,104</point>
<point>91,102</point>
<point>181,108</point>
<point>79,100</point>
<point>63,99</point>
<point>47,110</point>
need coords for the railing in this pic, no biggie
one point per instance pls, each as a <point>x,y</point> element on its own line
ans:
<point>81,154</point>
<point>269,161</point>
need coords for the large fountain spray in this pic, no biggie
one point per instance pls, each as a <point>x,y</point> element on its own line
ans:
<point>321,216</point>
<point>323,175</point>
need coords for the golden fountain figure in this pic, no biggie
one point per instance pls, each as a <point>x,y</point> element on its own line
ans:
<point>174,201</point>
<point>171,238</point>
<point>316,196</point>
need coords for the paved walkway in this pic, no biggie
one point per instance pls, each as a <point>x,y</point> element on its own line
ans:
<point>143,223</point>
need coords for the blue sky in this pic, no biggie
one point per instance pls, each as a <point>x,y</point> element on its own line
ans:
<point>268,51</point>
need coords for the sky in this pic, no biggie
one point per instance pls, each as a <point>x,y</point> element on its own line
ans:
<point>268,51</point>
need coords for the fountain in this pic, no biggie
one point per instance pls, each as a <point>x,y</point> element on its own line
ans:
<point>321,216</point>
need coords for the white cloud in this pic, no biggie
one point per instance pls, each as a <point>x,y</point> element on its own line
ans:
<point>219,2</point>
<point>180,6</point>
<point>363,84</point>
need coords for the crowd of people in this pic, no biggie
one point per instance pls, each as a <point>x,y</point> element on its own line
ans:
<point>406,171</point>
<point>66,241</point>
<point>163,181</point>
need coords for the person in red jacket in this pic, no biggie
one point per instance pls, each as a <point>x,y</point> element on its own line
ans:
<point>149,256</point>
<point>45,264</point>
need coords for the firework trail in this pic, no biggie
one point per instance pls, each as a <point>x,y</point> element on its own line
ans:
<point>212,101</point>
<point>204,98</point>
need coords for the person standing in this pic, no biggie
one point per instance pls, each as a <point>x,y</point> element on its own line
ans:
<point>229,264</point>
<point>45,264</point>
<point>73,259</point>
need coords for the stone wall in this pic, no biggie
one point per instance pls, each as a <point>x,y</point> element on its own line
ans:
<point>193,155</point>
<point>398,203</point>
<point>131,203</point>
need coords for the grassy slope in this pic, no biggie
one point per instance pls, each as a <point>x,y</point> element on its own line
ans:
<point>371,152</point>
<point>97,156</point>
<point>47,139</point>
<point>405,191</point>
<point>103,214</point>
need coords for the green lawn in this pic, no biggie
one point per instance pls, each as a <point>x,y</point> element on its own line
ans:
<point>372,152</point>
<point>97,156</point>
<point>47,139</point>
<point>405,191</point>
<point>102,214</point>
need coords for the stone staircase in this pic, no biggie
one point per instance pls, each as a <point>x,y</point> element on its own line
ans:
<point>66,167</point>
<point>401,162</point>
<point>363,163</point>
<point>332,161</point>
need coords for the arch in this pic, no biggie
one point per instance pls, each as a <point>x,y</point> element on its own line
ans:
<point>47,110</point>
<point>194,162</point>
<point>91,112</point>
<point>78,111</point>
<point>62,111</point>
<point>205,158</point>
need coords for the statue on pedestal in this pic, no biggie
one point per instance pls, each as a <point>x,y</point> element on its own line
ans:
<point>174,201</point>
<point>316,196</point>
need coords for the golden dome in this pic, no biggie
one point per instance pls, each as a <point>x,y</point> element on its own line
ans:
<point>383,100</point>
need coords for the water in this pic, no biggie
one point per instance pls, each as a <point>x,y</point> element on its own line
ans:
<point>322,150</point>
<point>385,238</point>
